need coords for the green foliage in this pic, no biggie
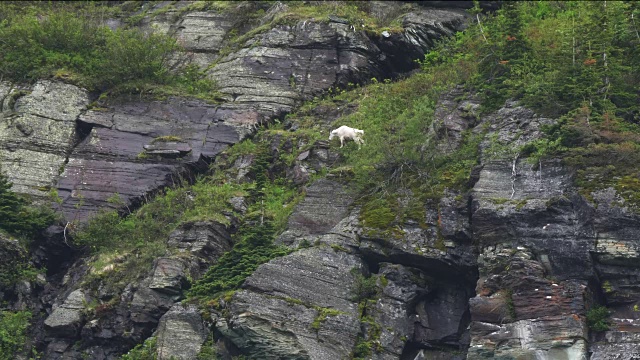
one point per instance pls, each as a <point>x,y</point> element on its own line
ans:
<point>511,308</point>
<point>363,287</point>
<point>13,332</point>
<point>72,43</point>
<point>15,269</point>
<point>323,313</point>
<point>144,233</point>
<point>598,318</point>
<point>144,351</point>
<point>254,247</point>
<point>208,350</point>
<point>17,217</point>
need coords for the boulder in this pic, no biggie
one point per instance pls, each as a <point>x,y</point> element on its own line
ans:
<point>204,241</point>
<point>180,333</point>
<point>67,318</point>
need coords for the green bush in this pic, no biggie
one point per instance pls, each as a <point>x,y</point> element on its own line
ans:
<point>144,351</point>
<point>598,318</point>
<point>64,43</point>
<point>13,332</point>
<point>17,216</point>
<point>363,287</point>
<point>254,247</point>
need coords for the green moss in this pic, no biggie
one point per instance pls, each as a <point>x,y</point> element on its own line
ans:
<point>378,214</point>
<point>499,201</point>
<point>337,248</point>
<point>383,281</point>
<point>511,309</point>
<point>323,314</point>
<point>370,342</point>
<point>167,138</point>
<point>439,243</point>
<point>521,203</point>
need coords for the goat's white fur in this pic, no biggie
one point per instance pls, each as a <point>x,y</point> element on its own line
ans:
<point>345,132</point>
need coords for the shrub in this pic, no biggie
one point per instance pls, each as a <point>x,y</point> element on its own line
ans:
<point>17,217</point>
<point>13,328</point>
<point>144,351</point>
<point>598,318</point>
<point>254,247</point>
<point>63,42</point>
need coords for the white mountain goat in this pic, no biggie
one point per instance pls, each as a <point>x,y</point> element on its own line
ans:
<point>345,132</point>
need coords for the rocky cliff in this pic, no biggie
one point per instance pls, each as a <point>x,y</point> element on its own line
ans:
<point>509,263</point>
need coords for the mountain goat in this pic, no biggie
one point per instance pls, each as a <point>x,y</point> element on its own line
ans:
<point>345,132</point>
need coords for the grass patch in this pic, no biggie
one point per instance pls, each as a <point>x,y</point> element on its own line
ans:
<point>145,351</point>
<point>13,332</point>
<point>254,247</point>
<point>72,44</point>
<point>323,314</point>
<point>131,244</point>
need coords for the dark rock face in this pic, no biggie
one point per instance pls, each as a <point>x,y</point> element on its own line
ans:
<point>538,254</point>
<point>127,153</point>
<point>205,241</point>
<point>325,204</point>
<point>275,316</point>
<point>452,117</point>
<point>535,208</point>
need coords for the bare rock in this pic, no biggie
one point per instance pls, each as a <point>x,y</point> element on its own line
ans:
<point>66,319</point>
<point>37,132</point>
<point>274,316</point>
<point>168,275</point>
<point>180,333</point>
<point>324,206</point>
<point>136,148</point>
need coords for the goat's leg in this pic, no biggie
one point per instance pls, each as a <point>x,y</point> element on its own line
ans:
<point>341,141</point>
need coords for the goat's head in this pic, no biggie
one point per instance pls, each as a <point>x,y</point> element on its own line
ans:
<point>332,135</point>
<point>359,131</point>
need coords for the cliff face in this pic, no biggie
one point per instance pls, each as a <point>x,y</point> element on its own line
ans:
<point>507,267</point>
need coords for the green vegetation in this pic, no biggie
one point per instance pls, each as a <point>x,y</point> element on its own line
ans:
<point>17,216</point>
<point>366,291</point>
<point>124,248</point>
<point>363,287</point>
<point>167,138</point>
<point>254,248</point>
<point>13,332</point>
<point>574,61</point>
<point>144,351</point>
<point>71,43</point>
<point>511,308</point>
<point>323,313</point>
<point>16,269</point>
<point>598,318</point>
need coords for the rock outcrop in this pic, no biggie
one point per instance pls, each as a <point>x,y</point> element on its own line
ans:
<point>512,268</point>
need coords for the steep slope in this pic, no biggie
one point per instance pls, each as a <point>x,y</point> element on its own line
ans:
<point>115,154</point>
<point>491,212</point>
